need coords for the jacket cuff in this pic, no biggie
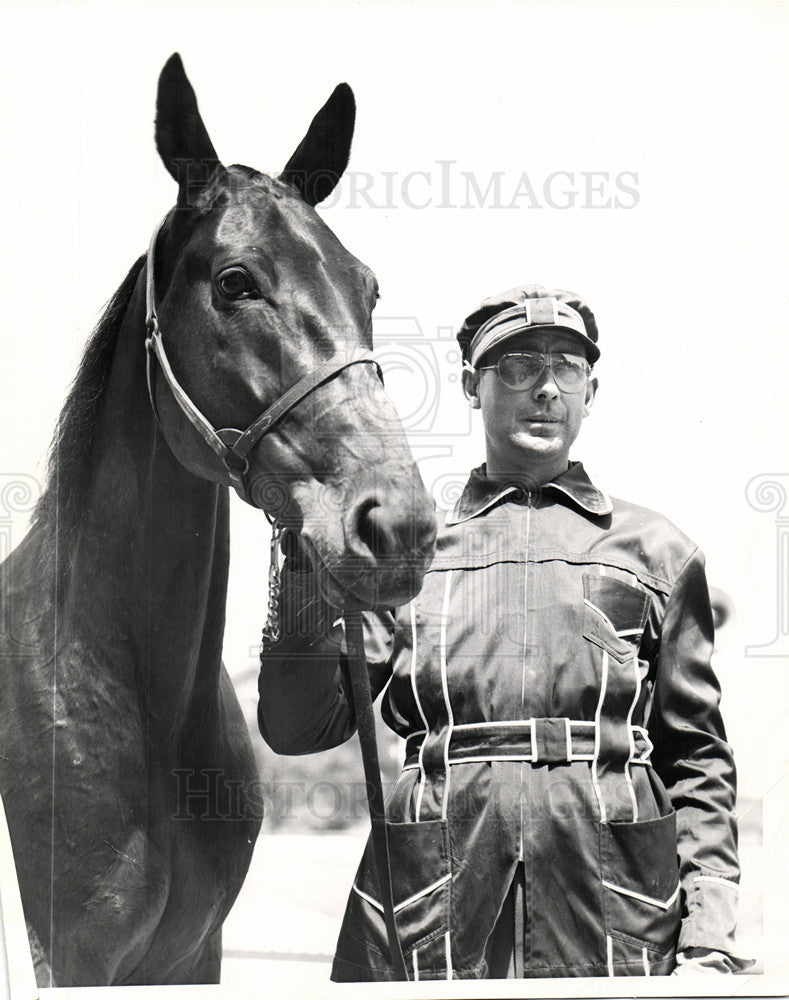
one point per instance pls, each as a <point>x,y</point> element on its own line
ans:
<point>711,913</point>
<point>713,962</point>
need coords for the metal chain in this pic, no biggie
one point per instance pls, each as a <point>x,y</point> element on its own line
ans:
<point>271,630</point>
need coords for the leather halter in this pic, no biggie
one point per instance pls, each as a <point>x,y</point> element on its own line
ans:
<point>232,446</point>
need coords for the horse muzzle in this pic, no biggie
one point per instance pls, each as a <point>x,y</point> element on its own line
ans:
<point>388,547</point>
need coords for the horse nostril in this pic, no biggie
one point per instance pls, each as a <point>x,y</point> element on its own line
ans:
<point>371,529</point>
<point>387,532</point>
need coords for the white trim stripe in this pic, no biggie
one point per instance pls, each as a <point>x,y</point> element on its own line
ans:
<point>525,607</point>
<point>422,775</point>
<point>645,961</point>
<point>515,724</point>
<point>367,898</point>
<point>662,904</point>
<point>530,724</point>
<point>533,740</point>
<point>606,508</point>
<point>630,631</point>
<point>717,878</point>
<point>445,689</point>
<point>609,954</point>
<point>406,902</point>
<point>596,755</point>
<point>600,612</point>
<point>631,739</point>
<point>448,950</point>
<point>415,964</point>
<point>650,745</point>
<point>385,688</point>
<point>514,757</point>
<point>423,892</point>
<point>525,654</point>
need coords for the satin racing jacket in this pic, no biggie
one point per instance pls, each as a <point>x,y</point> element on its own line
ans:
<point>552,683</point>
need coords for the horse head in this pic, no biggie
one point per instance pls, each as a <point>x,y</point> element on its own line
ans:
<point>259,318</point>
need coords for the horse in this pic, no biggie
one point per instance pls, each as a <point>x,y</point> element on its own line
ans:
<point>126,767</point>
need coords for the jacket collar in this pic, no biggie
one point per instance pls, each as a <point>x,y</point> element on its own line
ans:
<point>480,494</point>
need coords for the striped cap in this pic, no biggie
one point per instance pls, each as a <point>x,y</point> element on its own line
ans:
<point>529,307</point>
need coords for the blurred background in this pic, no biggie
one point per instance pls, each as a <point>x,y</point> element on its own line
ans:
<point>634,152</point>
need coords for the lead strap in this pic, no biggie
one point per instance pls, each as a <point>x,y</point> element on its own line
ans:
<point>365,722</point>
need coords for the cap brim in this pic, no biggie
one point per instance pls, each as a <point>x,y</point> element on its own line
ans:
<point>499,335</point>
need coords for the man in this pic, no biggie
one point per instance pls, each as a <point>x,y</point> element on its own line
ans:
<point>566,807</point>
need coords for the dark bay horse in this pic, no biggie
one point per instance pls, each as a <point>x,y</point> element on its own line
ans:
<point>124,756</point>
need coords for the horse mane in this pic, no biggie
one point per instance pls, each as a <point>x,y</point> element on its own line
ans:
<point>69,466</point>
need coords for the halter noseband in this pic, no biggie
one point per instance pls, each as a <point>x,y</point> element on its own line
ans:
<point>231,445</point>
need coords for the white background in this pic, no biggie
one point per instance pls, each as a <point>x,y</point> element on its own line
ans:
<point>689,285</point>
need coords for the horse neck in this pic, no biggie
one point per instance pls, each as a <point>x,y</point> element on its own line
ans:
<point>149,569</point>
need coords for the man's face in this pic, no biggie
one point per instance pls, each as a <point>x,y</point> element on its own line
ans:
<point>530,430</point>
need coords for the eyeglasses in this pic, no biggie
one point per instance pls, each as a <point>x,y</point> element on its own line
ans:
<point>523,370</point>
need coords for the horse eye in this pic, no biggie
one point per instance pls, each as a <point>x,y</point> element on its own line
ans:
<point>235,283</point>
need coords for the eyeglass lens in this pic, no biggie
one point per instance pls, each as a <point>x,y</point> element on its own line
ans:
<point>523,371</point>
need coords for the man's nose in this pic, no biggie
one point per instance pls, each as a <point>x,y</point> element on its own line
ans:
<point>546,387</point>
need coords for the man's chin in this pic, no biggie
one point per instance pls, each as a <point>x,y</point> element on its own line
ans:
<point>539,445</point>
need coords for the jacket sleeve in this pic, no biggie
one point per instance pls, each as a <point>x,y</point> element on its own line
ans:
<point>695,763</point>
<point>304,692</point>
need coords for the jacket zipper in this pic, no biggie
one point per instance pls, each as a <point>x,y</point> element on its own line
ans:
<point>521,854</point>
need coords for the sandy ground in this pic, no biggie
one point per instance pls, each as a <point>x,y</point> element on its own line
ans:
<point>284,926</point>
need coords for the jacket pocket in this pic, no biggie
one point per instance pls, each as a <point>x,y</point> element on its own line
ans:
<point>614,614</point>
<point>421,879</point>
<point>640,875</point>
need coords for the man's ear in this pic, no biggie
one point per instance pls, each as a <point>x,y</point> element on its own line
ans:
<point>470,380</point>
<point>591,394</point>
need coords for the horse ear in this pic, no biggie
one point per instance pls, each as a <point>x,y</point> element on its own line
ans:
<point>181,137</point>
<point>322,155</point>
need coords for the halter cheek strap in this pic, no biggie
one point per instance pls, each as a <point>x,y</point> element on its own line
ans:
<point>232,446</point>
